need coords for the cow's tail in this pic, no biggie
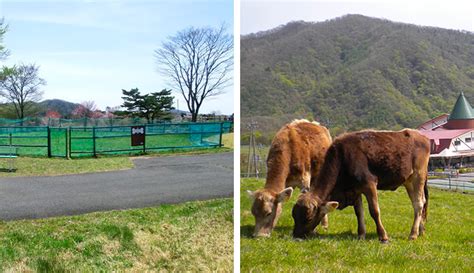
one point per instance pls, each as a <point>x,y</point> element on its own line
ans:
<point>425,206</point>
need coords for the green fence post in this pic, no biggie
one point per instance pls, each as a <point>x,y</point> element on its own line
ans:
<point>65,143</point>
<point>144,141</point>
<point>49,142</point>
<point>93,141</point>
<point>220,135</point>
<point>68,141</point>
<point>201,131</point>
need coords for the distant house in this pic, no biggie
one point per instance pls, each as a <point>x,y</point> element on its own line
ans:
<point>180,115</point>
<point>452,136</point>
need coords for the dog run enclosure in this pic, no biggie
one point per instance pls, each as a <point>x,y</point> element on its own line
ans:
<point>92,141</point>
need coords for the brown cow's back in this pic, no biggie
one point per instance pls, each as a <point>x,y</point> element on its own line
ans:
<point>296,153</point>
<point>391,156</point>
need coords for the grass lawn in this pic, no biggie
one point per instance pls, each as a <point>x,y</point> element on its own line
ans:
<point>228,140</point>
<point>447,246</point>
<point>41,166</point>
<point>193,236</point>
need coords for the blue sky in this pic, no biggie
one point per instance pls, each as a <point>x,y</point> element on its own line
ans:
<point>91,50</point>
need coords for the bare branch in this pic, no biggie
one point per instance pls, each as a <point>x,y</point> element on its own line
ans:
<point>198,62</point>
<point>20,85</point>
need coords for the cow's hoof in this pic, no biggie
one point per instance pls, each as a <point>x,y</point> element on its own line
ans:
<point>412,238</point>
<point>384,241</point>
<point>362,237</point>
<point>262,235</point>
<point>298,239</point>
<point>421,230</point>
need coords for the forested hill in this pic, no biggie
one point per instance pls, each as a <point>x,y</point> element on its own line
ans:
<point>354,72</point>
<point>64,108</point>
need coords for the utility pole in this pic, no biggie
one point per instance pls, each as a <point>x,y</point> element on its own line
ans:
<point>252,154</point>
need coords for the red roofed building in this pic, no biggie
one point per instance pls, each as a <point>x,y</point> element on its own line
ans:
<point>452,136</point>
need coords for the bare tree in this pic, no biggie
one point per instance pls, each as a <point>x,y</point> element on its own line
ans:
<point>198,61</point>
<point>20,86</point>
<point>87,109</point>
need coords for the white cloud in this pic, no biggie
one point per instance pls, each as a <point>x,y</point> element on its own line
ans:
<point>119,16</point>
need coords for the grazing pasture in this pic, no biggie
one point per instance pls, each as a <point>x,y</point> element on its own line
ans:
<point>193,236</point>
<point>447,245</point>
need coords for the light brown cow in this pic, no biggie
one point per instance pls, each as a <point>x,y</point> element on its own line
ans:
<point>360,163</point>
<point>296,154</point>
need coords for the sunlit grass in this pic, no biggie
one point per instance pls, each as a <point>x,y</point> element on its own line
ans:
<point>33,166</point>
<point>193,236</point>
<point>447,246</point>
<point>228,140</point>
<point>42,166</point>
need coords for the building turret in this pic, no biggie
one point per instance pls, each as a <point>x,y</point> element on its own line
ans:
<point>462,116</point>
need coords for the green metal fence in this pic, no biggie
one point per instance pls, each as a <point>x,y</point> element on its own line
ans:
<point>28,140</point>
<point>93,141</point>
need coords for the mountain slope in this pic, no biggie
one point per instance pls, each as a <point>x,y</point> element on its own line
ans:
<point>354,72</point>
<point>61,106</point>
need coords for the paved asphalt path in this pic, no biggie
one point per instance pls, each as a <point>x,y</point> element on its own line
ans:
<point>153,181</point>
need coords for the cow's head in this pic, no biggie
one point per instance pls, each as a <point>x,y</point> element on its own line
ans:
<point>267,209</point>
<point>308,213</point>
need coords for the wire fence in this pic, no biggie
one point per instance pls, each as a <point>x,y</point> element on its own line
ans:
<point>452,181</point>
<point>98,140</point>
<point>443,180</point>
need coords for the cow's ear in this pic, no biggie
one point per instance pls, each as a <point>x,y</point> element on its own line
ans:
<point>329,207</point>
<point>284,195</point>
<point>251,194</point>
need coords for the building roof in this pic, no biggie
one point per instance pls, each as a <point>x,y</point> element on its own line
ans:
<point>434,123</point>
<point>444,134</point>
<point>462,109</point>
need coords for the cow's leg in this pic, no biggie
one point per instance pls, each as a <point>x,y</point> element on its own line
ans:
<point>415,191</point>
<point>372,200</point>
<point>359,211</point>
<point>325,222</point>
<point>305,181</point>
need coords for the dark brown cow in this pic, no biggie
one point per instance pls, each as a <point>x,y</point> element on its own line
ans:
<point>360,163</point>
<point>296,154</point>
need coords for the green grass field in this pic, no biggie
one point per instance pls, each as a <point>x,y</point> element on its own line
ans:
<point>447,246</point>
<point>228,140</point>
<point>193,236</point>
<point>34,166</point>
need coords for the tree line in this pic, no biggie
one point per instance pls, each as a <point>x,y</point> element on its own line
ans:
<point>197,62</point>
<point>354,72</point>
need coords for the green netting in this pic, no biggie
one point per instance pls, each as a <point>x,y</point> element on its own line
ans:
<point>58,142</point>
<point>90,141</point>
<point>117,140</point>
<point>28,140</point>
